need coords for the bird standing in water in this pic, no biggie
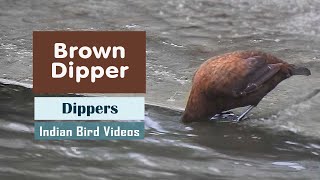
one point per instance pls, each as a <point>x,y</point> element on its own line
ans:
<point>235,79</point>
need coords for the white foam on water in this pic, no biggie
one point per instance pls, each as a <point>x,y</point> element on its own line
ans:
<point>18,127</point>
<point>151,124</point>
<point>143,159</point>
<point>293,165</point>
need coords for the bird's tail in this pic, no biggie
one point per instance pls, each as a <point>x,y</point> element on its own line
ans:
<point>299,70</point>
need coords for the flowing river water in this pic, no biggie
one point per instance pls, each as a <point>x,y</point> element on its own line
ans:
<point>280,140</point>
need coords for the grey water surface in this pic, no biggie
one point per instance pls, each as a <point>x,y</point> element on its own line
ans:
<point>280,140</point>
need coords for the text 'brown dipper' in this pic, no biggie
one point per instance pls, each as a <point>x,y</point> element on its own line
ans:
<point>236,79</point>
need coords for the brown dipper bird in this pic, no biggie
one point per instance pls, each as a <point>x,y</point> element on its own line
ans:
<point>235,79</point>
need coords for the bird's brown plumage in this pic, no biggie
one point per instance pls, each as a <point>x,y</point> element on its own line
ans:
<point>234,80</point>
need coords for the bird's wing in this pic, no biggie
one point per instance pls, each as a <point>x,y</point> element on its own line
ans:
<point>256,73</point>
